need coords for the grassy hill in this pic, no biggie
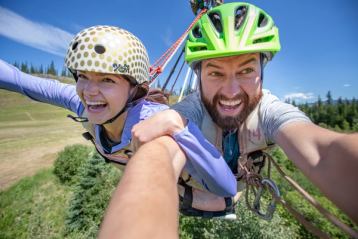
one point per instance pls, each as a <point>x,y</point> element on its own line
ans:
<point>31,134</point>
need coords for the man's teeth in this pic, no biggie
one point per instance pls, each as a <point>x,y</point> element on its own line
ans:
<point>91,103</point>
<point>230,102</point>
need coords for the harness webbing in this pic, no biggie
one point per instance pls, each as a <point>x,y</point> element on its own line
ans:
<point>172,70</point>
<point>176,79</point>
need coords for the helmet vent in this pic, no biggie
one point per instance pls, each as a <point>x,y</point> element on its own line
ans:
<point>197,32</point>
<point>216,21</point>
<point>240,15</point>
<point>99,49</point>
<point>74,46</point>
<point>263,39</point>
<point>262,20</point>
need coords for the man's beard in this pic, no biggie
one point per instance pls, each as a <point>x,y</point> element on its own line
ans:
<point>230,122</point>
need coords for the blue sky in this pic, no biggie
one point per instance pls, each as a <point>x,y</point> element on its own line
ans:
<point>318,38</point>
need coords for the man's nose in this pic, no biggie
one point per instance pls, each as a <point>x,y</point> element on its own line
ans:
<point>231,87</point>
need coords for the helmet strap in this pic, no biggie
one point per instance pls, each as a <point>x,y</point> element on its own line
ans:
<point>74,73</point>
<point>262,64</point>
<point>128,104</point>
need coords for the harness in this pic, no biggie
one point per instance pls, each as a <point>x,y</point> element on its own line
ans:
<point>119,158</point>
<point>252,144</point>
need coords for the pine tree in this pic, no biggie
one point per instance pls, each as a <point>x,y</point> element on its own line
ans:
<point>16,65</point>
<point>64,72</point>
<point>51,70</point>
<point>329,98</point>
<point>32,69</point>
<point>41,69</point>
<point>24,67</point>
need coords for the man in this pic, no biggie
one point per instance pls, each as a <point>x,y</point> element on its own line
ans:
<point>228,49</point>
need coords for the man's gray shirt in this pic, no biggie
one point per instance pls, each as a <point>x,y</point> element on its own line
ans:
<point>274,113</point>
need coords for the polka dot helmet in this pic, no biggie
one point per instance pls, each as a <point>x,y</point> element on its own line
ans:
<point>108,49</point>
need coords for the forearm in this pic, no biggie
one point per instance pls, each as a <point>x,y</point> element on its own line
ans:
<point>336,173</point>
<point>145,203</point>
<point>328,159</point>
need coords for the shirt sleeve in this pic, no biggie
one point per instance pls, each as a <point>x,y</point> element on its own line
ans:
<point>43,90</point>
<point>190,108</point>
<point>205,163</point>
<point>275,114</point>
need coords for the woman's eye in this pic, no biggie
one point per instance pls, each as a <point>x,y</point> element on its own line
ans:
<point>108,80</point>
<point>82,77</point>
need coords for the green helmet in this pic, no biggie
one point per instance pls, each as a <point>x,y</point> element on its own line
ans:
<point>232,29</point>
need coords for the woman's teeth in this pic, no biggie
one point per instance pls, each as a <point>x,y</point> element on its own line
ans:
<point>95,104</point>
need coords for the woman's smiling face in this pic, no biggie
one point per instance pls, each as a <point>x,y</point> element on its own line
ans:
<point>103,95</point>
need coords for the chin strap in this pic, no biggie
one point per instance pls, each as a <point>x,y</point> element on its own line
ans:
<point>78,119</point>
<point>129,103</point>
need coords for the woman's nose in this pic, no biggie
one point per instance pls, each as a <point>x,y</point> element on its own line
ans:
<point>91,87</point>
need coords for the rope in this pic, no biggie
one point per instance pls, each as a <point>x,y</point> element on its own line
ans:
<point>175,81</point>
<point>159,64</point>
<point>330,217</point>
<point>254,180</point>
<point>172,70</point>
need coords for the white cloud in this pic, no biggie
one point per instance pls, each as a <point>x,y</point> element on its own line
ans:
<point>38,35</point>
<point>346,85</point>
<point>299,96</point>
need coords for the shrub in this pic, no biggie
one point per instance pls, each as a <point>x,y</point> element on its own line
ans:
<point>247,225</point>
<point>97,180</point>
<point>69,161</point>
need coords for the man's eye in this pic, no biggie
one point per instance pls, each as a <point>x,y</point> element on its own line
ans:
<point>108,80</point>
<point>215,73</point>
<point>247,71</point>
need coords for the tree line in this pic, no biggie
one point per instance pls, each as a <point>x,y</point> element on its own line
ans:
<point>48,70</point>
<point>339,115</point>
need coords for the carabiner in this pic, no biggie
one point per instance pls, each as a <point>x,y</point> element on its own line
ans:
<point>272,205</point>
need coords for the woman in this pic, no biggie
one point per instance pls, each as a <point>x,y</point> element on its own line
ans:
<point>110,66</point>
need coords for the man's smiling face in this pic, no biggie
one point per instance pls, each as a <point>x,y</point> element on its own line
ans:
<point>231,88</point>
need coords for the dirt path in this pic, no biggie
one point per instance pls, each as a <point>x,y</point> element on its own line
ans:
<point>28,163</point>
<point>33,145</point>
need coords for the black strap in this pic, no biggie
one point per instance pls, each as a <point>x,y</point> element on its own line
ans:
<point>186,202</point>
<point>89,136</point>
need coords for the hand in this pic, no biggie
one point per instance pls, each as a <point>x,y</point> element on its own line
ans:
<point>167,122</point>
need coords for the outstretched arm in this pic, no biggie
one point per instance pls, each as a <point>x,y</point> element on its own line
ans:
<point>145,203</point>
<point>205,163</point>
<point>39,89</point>
<point>327,158</point>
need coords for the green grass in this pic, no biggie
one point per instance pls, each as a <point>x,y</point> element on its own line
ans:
<point>34,207</point>
<point>30,135</point>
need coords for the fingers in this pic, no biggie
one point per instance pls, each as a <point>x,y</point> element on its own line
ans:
<point>163,123</point>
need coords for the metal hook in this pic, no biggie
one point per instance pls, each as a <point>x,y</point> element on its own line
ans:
<point>272,205</point>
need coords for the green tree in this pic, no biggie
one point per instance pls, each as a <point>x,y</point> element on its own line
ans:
<point>24,67</point>
<point>51,70</point>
